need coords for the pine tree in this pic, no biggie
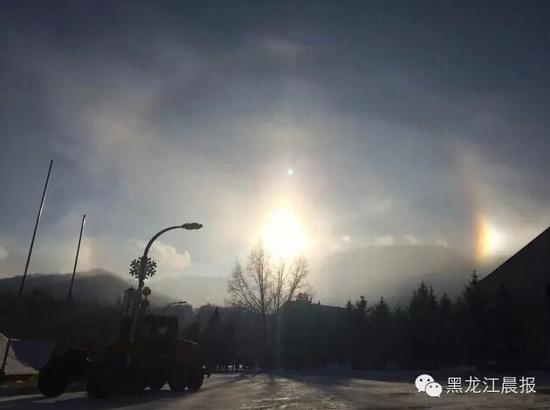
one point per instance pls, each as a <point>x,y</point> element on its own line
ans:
<point>380,321</point>
<point>446,345</point>
<point>475,320</point>
<point>359,329</point>
<point>422,316</point>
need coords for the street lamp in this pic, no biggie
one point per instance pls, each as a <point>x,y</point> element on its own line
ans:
<point>188,226</point>
<point>141,278</point>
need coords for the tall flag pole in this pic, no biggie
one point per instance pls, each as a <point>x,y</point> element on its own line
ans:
<point>76,257</point>
<point>24,278</point>
<point>35,229</point>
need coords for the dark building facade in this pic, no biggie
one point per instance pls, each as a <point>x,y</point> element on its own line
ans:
<point>523,281</point>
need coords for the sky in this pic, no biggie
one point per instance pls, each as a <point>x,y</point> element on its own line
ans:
<point>314,126</point>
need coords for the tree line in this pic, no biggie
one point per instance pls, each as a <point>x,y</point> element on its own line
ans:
<point>428,332</point>
<point>477,329</point>
<point>271,321</point>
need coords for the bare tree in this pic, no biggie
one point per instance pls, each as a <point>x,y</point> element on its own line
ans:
<point>249,286</point>
<point>264,287</point>
<point>290,280</point>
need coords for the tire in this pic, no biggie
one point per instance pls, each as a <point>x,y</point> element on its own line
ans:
<point>178,379</point>
<point>52,380</point>
<point>196,378</point>
<point>132,381</point>
<point>99,382</point>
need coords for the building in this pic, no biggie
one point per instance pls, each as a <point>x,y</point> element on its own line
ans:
<point>525,278</point>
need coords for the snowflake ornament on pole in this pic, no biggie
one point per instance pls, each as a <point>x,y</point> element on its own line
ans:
<point>150,267</point>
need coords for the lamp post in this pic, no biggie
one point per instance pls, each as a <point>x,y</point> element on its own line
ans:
<point>141,278</point>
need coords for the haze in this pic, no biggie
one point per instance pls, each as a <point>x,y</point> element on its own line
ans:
<point>327,129</point>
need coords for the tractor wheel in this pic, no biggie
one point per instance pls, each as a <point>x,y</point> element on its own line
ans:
<point>100,381</point>
<point>178,379</point>
<point>196,377</point>
<point>52,380</point>
<point>132,381</point>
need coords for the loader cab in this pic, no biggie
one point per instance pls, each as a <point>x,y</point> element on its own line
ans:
<point>154,333</point>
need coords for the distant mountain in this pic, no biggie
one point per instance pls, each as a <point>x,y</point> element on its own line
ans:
<point>91,286</point>
<point>390,271</point>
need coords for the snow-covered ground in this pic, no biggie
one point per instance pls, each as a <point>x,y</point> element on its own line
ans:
<point>290,392</point>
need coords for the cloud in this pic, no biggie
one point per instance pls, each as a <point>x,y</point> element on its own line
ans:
<point>282,49</point>
<point>407,240</point>
<point>3,252</point>
<point>386,240</point>
<point>377,205</point>
<point>167,257</point>
<point>347,241</point>
<point>441,242</point>
<point>410,239</point>
<point>153,129</point>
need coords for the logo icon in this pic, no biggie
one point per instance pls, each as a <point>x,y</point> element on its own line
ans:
<point>426,383</point>
<point>422,381</point>
<point>434,389</point>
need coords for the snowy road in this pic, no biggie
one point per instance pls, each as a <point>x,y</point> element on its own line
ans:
<point>263,392</point>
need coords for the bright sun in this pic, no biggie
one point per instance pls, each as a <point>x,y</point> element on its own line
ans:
<point>284,235</point>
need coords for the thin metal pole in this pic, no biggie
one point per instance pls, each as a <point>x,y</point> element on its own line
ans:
<point>76,257</point>
<point>34,231</point>
<point>24,278</point>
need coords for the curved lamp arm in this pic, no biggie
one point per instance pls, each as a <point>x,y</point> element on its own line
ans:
<point>188,226</point>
